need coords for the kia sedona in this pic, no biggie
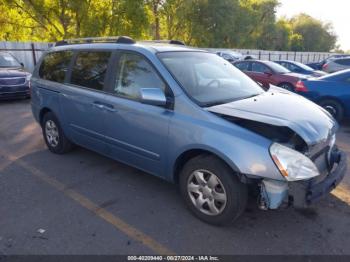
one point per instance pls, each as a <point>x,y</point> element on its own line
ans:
<point>189,117</point>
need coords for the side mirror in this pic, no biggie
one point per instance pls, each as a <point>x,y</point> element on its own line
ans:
<point>21,64</point>
<point>153,96</point>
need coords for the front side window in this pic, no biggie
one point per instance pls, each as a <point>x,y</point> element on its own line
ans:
<point>244,66</point>
<point>209,79</point>
<point>90,69</point>
<point>260,68</point>
<point>134,73</point>
<point>55,66</point>
<point>7,60</point>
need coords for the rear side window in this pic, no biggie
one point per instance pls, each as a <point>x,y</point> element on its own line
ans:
<point>135,72</point>
<point>89,69</point>
<point>55,65</point>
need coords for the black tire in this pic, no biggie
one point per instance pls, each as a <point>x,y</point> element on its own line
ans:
<point>287,86</point>
<point>63,144</point>
<point>236,192</point>
<point>334,108</point>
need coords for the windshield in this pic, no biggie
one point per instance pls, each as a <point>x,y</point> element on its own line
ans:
<point>209,79</point>
<point>276,67</point>
<point>7,60</point>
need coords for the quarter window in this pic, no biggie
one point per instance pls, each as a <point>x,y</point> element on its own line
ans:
<point>55,65</point>
<point>134,73</point>
<point>90,69</point>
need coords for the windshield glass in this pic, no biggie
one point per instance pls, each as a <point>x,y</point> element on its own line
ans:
<point>209,79</point>
<point>7,60</point>
<point>276,67</point>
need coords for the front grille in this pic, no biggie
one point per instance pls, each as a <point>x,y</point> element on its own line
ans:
<point>14,81</point>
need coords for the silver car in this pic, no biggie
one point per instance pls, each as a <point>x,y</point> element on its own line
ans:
<point>335,65</point>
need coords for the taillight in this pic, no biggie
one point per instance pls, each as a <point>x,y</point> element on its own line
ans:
<point>300,87</point>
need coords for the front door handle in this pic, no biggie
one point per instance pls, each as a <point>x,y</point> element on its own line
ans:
<point>104,106</point>
<point>110,108</point>
<point>98,105</point>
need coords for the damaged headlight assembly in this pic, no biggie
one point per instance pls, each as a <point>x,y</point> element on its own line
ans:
<point>293,165</point>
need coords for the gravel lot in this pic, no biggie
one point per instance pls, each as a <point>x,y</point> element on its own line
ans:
<point>84,203</point>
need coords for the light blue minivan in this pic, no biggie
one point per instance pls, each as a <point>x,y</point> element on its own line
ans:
<point>190,117</point>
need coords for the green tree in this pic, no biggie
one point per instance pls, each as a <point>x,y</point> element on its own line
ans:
<point>316,36</point>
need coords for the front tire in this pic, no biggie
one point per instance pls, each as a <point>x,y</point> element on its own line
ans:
<point>54,136</point>
<point>212,191</point>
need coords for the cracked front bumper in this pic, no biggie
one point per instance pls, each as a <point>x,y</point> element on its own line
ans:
<point>304,193</point>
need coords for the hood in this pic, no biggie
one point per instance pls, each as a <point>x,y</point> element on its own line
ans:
<point>281,108</point>
<point>13,72</point>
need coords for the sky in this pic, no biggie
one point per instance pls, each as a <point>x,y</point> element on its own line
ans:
<point>335,11</point>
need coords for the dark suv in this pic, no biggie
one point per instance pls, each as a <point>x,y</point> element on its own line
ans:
<point>14,80</point>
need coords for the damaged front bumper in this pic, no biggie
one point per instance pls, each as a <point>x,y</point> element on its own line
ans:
<point>301,194</point>
<point>304,193</point>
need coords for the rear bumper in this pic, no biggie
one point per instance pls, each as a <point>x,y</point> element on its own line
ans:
<point>305,193</point>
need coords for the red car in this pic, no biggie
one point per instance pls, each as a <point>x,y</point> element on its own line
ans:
<point>267,72</point>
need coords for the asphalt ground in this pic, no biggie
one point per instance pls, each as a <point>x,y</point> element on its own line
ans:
<point>84,203</point>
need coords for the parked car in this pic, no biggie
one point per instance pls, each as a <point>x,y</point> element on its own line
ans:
<point>336,65</point>
<point>332,92</point>
<point>230,56</point>
<point>233,56</point>
<point>14,80</point>
<point>189,117</point>
<point>267,72</point>
<point>300,68</point>
<point>319,65</point>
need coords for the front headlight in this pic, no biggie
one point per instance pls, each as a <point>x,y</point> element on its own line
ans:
<point>292,164</point>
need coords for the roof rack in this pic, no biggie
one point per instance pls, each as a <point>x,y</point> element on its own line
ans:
<point>89,40</point>
<point>172,42</point>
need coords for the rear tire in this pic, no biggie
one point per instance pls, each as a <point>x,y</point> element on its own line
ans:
<point>54,136</point>
<point>334,108</point>
<point>217,197</point>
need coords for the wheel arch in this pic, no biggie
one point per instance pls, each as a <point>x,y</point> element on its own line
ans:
<point>42,113</point>
<point>336,99</point>
<point>188,154</point>
<point>329,97</point>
